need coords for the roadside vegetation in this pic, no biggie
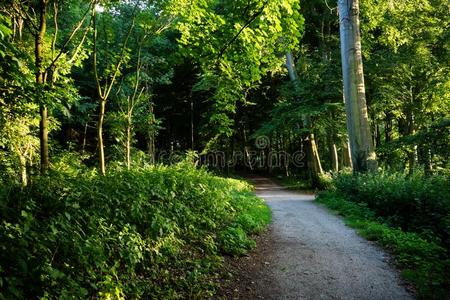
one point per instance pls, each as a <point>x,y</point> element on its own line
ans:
<point>407,215</point>
<point>99,100</point>
<point>155,232</point>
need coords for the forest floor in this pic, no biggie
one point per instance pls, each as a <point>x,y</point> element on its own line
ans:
<point>309,253</point>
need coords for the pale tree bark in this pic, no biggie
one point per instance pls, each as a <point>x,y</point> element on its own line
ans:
<point>361,145</point>
<point>103,91</point>
<point>334,158</point>
<point>40,80</point>
<point>346,160</point>
<point>151,136</point>
<point>312,153</point>
<point>132,102</point>
<point>192,122</point>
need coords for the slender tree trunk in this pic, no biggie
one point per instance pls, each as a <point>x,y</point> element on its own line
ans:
<point>388,128</point>
<point>333,149</point>
<point>361,146</point>
<point>128,142</point>
<point>103,93</point>
<point>334,158</point>
<point>312,154</point>
<point>314,164</point>
<point>410,130</point>
<point>23,169</point>
<point>346,156</point>
<point>246,153</point>
<point>151,138</point>
<point>40,79</point>
<point>192,123</point>
<point>101,151</point>
<point>378,136</point>
<point>83,146</point>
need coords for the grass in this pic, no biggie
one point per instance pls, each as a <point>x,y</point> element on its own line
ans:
<point>422,262</point>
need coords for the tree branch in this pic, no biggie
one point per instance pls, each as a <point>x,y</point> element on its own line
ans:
<point>247,24</point>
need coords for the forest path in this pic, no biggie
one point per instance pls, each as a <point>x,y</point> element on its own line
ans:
<point>309,253</point>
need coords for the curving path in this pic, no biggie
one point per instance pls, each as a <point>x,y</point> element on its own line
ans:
<point>313,255</point>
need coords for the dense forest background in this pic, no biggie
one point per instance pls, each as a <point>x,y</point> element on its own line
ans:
<point>99,97</point>
<point>139,81</point>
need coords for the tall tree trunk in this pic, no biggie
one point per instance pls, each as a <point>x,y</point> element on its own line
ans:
<point>410,130</point>
<point>361,146</point>
<point>346,156</point>
<point>103,92</point>
<point>101,151</point>
<point>23,169</point>
<point>377,136</point>
<point>151,137</point>
<point>312,154</point>
<point>192,123</point>
<point>40,79</point>
<point>83,145</point>
<point>334,158</point>
<point>332,146</point>
<point>246,153</point>
<point>128,142</point>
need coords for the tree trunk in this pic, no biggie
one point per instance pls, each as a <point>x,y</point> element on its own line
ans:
<point>151,138</point>
<point>332,146</point>
<point>314,165</point>
<point>101,151</point>
<point>312,154</point>
<point>128,142</point>
<point>410,130</point>
<point>377,136</point>
<point>192,123</point>
<point>346,156</point>
<point>361,146</point>
<point>83,146</point>
<point>334,158</point>
<point>40,74</point>
<point>103,93</point>
<point>23,169</point>
<point>388,128</point>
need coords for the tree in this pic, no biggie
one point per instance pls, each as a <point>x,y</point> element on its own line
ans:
<point>106,82</point>
<point>312,153</point>
<point>361,145</point>
<point>47,63</point>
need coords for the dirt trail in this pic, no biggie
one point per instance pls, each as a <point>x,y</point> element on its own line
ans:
<point>309,253</point>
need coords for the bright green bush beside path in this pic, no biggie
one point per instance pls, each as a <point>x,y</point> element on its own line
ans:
<point>158,232</point>
<point>409,216</point>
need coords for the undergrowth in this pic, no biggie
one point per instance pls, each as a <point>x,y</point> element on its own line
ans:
<point>158,232</point>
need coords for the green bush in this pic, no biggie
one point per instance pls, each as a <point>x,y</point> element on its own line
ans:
<point>414,203</point>
<point>158,232</point>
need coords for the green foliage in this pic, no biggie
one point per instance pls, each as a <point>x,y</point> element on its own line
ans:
<point>414,203</point>
<point>422,261</point>
<point>236,44</point>
<point>156,232</point>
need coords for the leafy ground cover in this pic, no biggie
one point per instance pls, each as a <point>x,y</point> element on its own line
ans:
<point>408,215</point>
<point>157,232</point>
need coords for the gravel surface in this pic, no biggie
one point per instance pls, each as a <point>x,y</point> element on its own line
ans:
<point>309,253</point>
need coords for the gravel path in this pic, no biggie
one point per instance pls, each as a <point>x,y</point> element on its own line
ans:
<point>311,254</point>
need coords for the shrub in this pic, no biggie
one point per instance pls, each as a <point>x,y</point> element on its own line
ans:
<point>414,203</point>
<point>157,232</point>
